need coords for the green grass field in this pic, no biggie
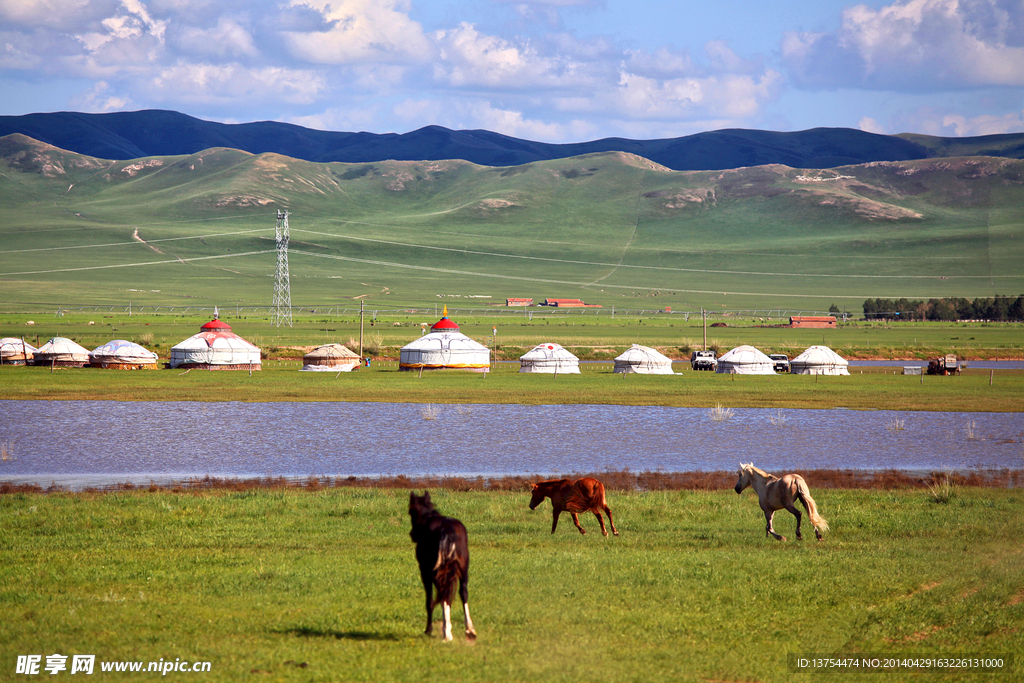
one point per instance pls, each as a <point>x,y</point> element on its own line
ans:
<point>876,389</point>
<point>292,585</point>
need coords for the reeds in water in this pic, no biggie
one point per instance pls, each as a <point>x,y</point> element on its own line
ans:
<point>430,411</point>
<point>896,424</point>
<point>720,413</point>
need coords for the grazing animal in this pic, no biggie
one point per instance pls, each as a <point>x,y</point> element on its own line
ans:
<point>775,494</point>
<point>574,496</point>
<point>442,550</point>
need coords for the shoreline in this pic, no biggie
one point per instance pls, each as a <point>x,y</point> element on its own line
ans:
<point>619,481</point>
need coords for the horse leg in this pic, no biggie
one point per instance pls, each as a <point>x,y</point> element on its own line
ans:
<point>428,584</point>
<point>611,522</point>
<point>576,521</point>
<point>796,513</point>
<point>554,522</point>
<point>768,515</point>
<point>446,620</point>
<point>464,594</point>
<point>600,520</point>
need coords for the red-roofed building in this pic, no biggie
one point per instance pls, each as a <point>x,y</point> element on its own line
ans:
<point>518,302</point>
<point>818,321</point>
<point>569,303</point>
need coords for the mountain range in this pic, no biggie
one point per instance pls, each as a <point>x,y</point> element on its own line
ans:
<point>148,133</point>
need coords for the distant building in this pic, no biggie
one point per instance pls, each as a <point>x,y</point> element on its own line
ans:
<point>819,321</point>
<point>569,303</point>
<point>518,302</point>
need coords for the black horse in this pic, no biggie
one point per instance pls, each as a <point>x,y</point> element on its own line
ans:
<point>442,550</point>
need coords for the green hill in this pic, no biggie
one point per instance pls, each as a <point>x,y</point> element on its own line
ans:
<point>609,228</point>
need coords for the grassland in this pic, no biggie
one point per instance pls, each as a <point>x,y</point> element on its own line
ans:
<point>875,389</point>
<point>291,585</point>
<point>611,229</point>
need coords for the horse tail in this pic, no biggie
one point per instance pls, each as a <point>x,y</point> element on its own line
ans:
<point>446,569</point>
<point>804,494</point>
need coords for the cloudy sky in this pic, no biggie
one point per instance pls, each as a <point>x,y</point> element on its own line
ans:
<point>551,70</point>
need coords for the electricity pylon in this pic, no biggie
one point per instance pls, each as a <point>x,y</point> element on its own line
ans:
<point>282,310</point>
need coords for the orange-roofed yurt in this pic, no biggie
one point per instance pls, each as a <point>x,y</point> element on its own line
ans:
<point>445,348</point>
<point>14,351</point>
<point>60,352</point>
<point>330,358</point>
<point>819,360</point>
<point>121,354</point>
<point>216,347</point>
<point>549,358</point>
<point>643,360</point>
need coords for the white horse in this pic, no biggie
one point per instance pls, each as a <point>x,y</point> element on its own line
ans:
<point>775,494</point>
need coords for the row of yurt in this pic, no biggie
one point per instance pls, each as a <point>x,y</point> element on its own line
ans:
<point>445,348</point>
<point>819,360</point>
<point>14,351</point>
<point>816,360</point>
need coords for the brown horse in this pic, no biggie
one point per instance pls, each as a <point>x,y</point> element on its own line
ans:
<point>574,496</point>
<point>442,550</point>
<point>775,494</point>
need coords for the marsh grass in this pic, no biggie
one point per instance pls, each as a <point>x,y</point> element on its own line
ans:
<point>896,424</point>
<point>971,430</point>
<point>322,585</point>
<point>777,419</point>
<point>721,413</point>
<point>942,489</point>
<point>430,411</point>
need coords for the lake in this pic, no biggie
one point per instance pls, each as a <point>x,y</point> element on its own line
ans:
<point>96,443</point>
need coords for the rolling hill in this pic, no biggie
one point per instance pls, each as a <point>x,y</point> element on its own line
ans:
<point>611,228</point>
<point>132,135</point>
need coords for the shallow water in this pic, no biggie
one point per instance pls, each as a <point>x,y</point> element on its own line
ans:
<point>80,443</point>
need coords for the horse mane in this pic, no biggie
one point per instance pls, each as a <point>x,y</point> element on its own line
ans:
<point>749,467</point>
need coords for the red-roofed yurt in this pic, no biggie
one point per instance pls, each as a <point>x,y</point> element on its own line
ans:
<point>216,347</point>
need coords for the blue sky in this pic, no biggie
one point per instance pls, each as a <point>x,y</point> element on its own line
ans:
<point>550,70</point>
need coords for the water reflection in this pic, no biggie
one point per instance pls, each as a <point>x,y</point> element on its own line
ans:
<point>107,442</point>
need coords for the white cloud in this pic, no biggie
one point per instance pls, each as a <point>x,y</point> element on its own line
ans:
<point>467,57</point>
<point>55,14</point>
<point>989,124</point>
<point>728,96</point>
<point>99,99</point>
<point>915,45</point>
<point>213,83</point>
<point>360,31</point>
<point>869,125</point>
<point>227,39</point>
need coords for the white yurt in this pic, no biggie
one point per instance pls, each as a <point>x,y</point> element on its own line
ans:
<point>330,358</point>
<point>216,347</point>
<point>643,360</point>
<point>62,353</point>
<point>121,354</point>
<point>550,358</point>
<point>14,351</point>
<point>445,348</point>
<point>745,360</point>
<point>819,360</point>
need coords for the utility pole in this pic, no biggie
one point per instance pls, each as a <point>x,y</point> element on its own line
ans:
<point>704,321</point>
<point>281,314</point>
<point>362,306</point>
